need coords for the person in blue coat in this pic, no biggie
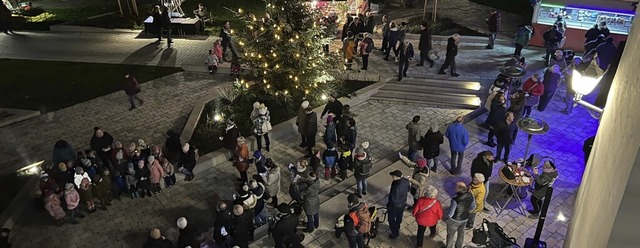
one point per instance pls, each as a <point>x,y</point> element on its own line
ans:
<point>458,141</point>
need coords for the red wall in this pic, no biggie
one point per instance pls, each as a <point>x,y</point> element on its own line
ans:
<point>575,37</point>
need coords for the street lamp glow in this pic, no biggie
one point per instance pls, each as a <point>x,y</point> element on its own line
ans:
<point>323,97</point>
<point>583,82</point>
<point>32,169</point>
<point>561,217</point>
<point>217,117</point>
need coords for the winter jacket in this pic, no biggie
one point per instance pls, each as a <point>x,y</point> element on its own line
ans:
<point>419,182</point>
<point>72,198</point>
<point>310,195</point>
<point>398,193</point>
<point>142,178</point>
<point>261,164</point>
<point>523,36</point>
<point>592,34</point>
<point>301,120</point>
<point>543,182</point>
<point>363,167</point>
<point>528,87</point>
<point>334,108</point>
<point>62,155</point>
<point>394,37</point>
<point>131,181</point>
<point>77,178</point>
<point>606,53</point>
<point>552,39</point>
<point>431,144</point>
<point>258,123</point>
<point>212,60</point>
<point>166,20</point>
<point>86,194</point>
<point>187,237</point>
<point>493,23</point>
<point>102,187</point>
<point>97,144</point>
<point>242,157</point>
<point>458,137</point>
<point>356,28</point>
<point>461,206</point>
<point>52,205</point>
<point>478,191</point>
<point>497,113</point>
<point>452,48</point>
<point>385,28</point>
<point>330,157</point>
<point>242,228</point>
<point>116,154</point>
<point>550,81</point>
<point>344,161</point>
<point>157,19</point>
<point>414,135</point>
<point>284,231</point>
<point>311,127</point>
<point>156,173</point>
<point>425,40</point>
<point>370,24</point>
<point>504,132</point>
<point>225,35</point>
<point>230,138</point>
<point>188,160</point>
<point>259,193</point>
<point>349,48</point>
<point>174,147</point>
<point>223,220</point>
<point>431,215</point>
<point>405,52</point>
<point>63,177</point>
<point>168,170</point>
<point>364,45</point>
<point>131,86</point>
<point>330,135</point>
<point>272,181</point>
<point>478,165</point>
<point>351,136</point>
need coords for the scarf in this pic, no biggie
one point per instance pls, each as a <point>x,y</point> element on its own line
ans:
<point>229,127</point>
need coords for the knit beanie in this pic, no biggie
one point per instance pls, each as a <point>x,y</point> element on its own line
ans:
<point>150,159</point>
<point>79,170</point>
<point>421,162</point>
<point>284,208</point>
<point>478,178</point>
<point>182,222</point>
<point>329,119</point>
<point>253,184</point>
<point>305,104</point>
<point>365,145</point>
<point>352,199</point>
<point>256,105</point>
<point>257,154</point>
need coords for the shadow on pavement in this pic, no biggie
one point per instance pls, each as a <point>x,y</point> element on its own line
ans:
<point>144,54</point>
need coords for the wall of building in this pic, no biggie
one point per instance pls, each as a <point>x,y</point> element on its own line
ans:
<point>614,5</point>
<point>612,158</point>
<point>575,37</point>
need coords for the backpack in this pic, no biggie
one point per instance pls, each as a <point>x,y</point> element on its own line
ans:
<point>266,125</point>
<point>362,219</point>
<point>364,168</point>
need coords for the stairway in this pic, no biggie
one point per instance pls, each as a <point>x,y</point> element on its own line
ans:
<point>437,92</point>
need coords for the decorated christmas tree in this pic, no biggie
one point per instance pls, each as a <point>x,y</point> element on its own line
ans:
<point>284,49</point>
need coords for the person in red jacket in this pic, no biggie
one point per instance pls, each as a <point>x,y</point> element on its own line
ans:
<point>493,25</point>
<point>132,88</point>
<point>427,211</point>
<point>533,89</point>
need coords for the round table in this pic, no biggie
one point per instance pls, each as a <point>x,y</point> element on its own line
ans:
<point>523,179</point>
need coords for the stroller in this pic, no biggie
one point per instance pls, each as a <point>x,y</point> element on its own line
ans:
<point>378,215</point>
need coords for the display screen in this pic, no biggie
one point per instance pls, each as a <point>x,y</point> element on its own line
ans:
<point>619,23</point>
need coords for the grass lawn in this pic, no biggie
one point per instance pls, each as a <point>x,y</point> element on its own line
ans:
<point>57,85</point>
<point>10,184</point>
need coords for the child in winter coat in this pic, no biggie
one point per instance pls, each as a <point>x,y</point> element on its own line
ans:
<point>86,194</point>
<point>72,198</point>
<point>96,164</point>
<point>330,159</point>
<point>53,206</point>
<point>142,177</point>
<point>344,162</point>
<point>236,68</point>
<point>156,173</point>
<point>261,162</point>
<point>217,50</point>
<point>131,181</point>
<point>212,62</point>
<point>119,157</point>
<point>169,173</point>
<point>102,189</point>
<point>118,185</point>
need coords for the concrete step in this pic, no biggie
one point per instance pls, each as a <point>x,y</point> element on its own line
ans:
<point>434,88</point>
<point>451,100</point>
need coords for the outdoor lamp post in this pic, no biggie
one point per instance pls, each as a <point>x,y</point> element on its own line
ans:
<point>584,81</point>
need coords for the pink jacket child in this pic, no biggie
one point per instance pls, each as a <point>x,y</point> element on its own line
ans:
<point>71,196</point>
<point>53,206</point>
<point>217,50</point>
<point>156,173</point>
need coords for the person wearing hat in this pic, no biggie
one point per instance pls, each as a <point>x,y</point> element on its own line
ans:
<point>330,134</point>
<point>246,199</point>
<point>483,164</point>
<point>187,235</point>
<point>257,188</point>
<point>156,240</point>
<point>478,191</point>
<point>85,190</point>
<point>330,159</point>
<point>458,214</point>
<point>101,143</point>
<point>558,59</point>
<point>284,229</point>
<point>363,167</point>
<point>47,183</point>
<point>72,198</point>
<point>458,138</point>
<point>188,161</point>
<point>311,203</point>
<point>102,186</point>
<point>241,156</point>
<point>334,107</point>
<point>311,129</point>
<point>543,181</point>
<point>349,51</point>
<point>262,126</point>
<point>79,175</point>
<point>496,115</point>
<point>430,143</point>
<point>427,211</point>
<point>415,130</point>
<point>301,122</point>
<point>230,139</point>
<point>397,201</point>
<point>344,161</point>
<point>357,222</point>
<point>53,206</point>
<point>393,37</point>
<point>341,124</point>
<point>241,227</point>
<point>260,161</point>
<point>419,180</point>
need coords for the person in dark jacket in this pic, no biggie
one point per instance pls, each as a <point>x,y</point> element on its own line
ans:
<point>173,145</point>
<point>392,40</point>
<point>496,114</point>
<point>157,21</point>
<point>603,29</point>
<point>187,161</point>
<point>351,135</point>
<point>363,166</point>
<point>370,24</point>
<point>606,53</point>
<point>543,181</point>
<point>406,54</point>
<point>458,215</point>
<point>62,152</point>
<point>166,25</point>
<point>284,228</point>
<point>345,27</point>
<point>483,164</point>
<point>241,227</point>
<point>334,106</point>
<point>231,135</point>
<point>587,146</point>
<point>504,133</point>
<point>551,80</point>
<point>142,177</point>
<point>311,203</point>
<point>188,234</point>
<point>431,146</point>
<point>156,240</point>
<point>452,51</point>
<point>132,88</point>
<point>101,143</point>
<point>225,34</point>
<point>552,40</point>
<point>493,25</point>
<point>396,202</point>
<point>590,47</point>
<point>311,128</point>
<point>356,26</point>
<point>592,34</point>
<point>425,45</point>
<point>222,225</point>
<point>355,237</point>
<point>385,33</point>
<point>341,124</point>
